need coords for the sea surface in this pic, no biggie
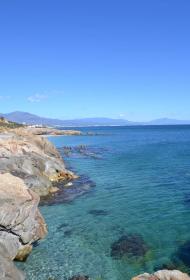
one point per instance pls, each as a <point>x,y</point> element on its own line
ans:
<point>142,177</point>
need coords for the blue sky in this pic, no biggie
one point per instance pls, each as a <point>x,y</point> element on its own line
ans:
<point>87,58</point>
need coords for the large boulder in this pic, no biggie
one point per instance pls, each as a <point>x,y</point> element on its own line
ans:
<point>21,223</point>
<point>163,275</point>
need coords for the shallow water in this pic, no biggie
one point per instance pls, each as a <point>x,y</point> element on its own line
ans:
<point>142,187</point>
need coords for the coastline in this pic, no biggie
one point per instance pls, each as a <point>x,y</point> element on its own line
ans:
<point>16,244</point>
<point>29,166</point>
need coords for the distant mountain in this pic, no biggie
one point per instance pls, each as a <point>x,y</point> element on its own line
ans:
<point>24,117</point>
<point>166,121</point>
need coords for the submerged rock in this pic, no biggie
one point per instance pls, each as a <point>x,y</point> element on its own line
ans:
<point>167,266</point>
<point>68,193</point>
<point>183,254</point>
<point>98,212</point>
<point>62,226</point>
<point>163,275</point>
<point>80,277</point>
<point>82,150</point>
<point>129,245</point>
<point>68,233</point>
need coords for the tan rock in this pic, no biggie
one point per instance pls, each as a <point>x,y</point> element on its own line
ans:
<point>23,252</point>
<point>171,275</point>
<point>54,189</point>
<point>163,275</point>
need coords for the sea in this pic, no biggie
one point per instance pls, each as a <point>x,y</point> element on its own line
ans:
<point>136,216</point>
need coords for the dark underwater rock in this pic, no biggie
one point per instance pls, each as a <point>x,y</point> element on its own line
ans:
<point>168,266</point>
<point>62,226</point>
<point>187,200</point>
<point>129,245</point>
<point>183,254</point>
<point>69,191</point>
<point>180,259</point>
<point>80,277</point>
<point>98,212</point>
<point>68,233</point>
<point>35,243</point>
<point>81,150</point>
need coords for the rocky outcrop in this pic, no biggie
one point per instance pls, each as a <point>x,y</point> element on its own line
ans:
<point>34,159</point>
<point>21,223</point>
<point>163,275</point>
<point>29,165</point>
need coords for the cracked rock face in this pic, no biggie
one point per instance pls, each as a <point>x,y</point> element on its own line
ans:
<point>21,223</point>
<point>163,275</point>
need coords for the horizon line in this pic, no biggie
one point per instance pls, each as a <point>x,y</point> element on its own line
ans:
<point>97,117</point>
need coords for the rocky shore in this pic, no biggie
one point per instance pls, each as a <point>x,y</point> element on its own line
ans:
<point>29,166</point>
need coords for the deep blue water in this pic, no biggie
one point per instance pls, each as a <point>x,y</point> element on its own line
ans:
<point>143,184</point>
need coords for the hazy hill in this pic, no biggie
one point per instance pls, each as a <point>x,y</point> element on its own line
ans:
<point>166,121</point>
<point>24,117</point>
<point>5,124</point>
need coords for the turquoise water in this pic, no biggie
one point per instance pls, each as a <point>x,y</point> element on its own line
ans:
<point>142,184</point>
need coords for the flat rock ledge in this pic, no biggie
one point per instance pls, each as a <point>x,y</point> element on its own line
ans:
<point>163,275</point>
<point>47,131</point>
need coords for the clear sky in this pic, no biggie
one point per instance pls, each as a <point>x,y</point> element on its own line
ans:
<point>87,58</point>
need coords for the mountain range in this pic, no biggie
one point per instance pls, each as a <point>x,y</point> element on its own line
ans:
<point>31,119</point>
